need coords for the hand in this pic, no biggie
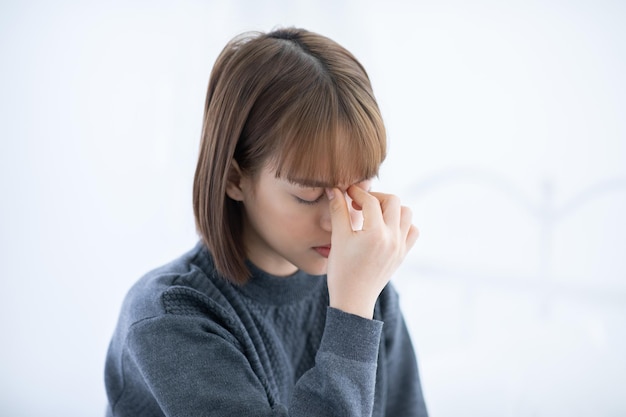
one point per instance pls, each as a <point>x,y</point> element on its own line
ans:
<point>362,262</point>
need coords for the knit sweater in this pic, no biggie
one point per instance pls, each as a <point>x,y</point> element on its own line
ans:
<point>190,343</point>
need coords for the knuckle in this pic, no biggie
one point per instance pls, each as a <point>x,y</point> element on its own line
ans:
<point>406,213</point>
<point>393,199</point>
<point>391,203</point>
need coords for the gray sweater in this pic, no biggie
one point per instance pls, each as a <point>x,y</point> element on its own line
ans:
<point>189,343</point>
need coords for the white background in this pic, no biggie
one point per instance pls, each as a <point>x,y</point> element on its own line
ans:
<point>507,138</point>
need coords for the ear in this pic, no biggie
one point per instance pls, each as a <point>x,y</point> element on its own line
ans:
<point>234,182</point>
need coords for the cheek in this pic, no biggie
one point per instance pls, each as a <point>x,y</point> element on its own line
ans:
<point>285,213</point>
<point>264,211</point>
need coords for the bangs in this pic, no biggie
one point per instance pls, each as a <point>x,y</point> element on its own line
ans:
<point>327,140</point>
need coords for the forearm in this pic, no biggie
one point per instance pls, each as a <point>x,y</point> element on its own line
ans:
<point>342,382</point>
<point>190,365</point>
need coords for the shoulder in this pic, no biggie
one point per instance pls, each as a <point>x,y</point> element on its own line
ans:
<point>185,286</point>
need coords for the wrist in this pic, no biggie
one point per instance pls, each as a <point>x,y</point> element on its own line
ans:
<point>359,308</point>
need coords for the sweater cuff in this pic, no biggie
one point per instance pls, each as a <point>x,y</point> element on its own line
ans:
<point>351,336</point>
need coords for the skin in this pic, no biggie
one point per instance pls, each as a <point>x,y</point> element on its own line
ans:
<point>286,224</point>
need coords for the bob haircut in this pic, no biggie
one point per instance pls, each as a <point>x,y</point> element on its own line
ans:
<point>289,99</point>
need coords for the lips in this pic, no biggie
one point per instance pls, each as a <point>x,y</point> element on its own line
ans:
<point>323,250</point>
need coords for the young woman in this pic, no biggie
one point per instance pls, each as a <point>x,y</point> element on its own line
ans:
<point>284,308</point>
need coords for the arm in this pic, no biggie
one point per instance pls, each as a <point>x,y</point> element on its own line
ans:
<point>359,267</point>
<point>342,381</point>
<point>193,367</point>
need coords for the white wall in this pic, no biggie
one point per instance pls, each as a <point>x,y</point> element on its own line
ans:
<point>507,138</point>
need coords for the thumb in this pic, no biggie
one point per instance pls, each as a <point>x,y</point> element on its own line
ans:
<point>339,214</point>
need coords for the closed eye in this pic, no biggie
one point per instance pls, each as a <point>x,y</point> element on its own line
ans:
<point>309,202</point>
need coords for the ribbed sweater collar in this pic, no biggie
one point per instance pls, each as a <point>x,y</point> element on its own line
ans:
<point>270,289</point>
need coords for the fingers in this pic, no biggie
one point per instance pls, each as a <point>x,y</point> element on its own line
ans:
<point>369,204</point>
<point>339,213</point>
<point>406,218</point>
<point>390,205</point>
<point>379,207</point>
<point>409,231</point>
<point>386,208</point>
<point>412,237</point>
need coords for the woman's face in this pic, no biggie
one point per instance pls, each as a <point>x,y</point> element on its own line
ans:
<point>287,226</point>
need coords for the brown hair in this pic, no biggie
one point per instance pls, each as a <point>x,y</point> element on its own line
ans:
<point>290,98</point>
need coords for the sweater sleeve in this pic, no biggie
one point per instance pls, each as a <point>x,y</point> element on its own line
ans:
<point>189,368</point>
<point>344,376</point>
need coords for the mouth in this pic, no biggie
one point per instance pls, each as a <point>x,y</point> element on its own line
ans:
<point>323,250</point>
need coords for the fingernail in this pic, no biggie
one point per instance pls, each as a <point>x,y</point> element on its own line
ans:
<point>330,193</point>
